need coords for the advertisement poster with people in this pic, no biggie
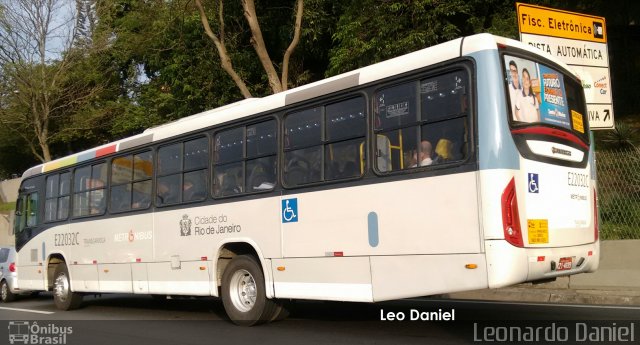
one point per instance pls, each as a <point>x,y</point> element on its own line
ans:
<point>536,93</point>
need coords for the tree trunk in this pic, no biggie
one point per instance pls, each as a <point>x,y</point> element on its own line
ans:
<point>292,46</point>
<point>258,44</point>
<point>225,60</point>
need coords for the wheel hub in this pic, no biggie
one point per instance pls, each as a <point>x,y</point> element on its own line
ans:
<point>243,290</point>
<point>61,287</point>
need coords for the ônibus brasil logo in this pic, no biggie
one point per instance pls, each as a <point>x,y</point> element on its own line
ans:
<point>24,332</point>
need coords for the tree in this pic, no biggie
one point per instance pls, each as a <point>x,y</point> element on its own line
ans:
<point>391,28</point>
<point>36,55</point>
<point>158,65</point>
<point>86,21</point>
<point>276,83</point>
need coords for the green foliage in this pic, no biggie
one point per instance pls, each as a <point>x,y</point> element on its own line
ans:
<point>616,231</point>
<point>619,193</point>
<point>622,136</point>
<point>391,28</point>
<point>619,214</point>
<point>15,156</point>
<point>7,207</point>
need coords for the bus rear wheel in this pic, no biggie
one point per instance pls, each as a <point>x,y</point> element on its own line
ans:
<point>63,297</point>
<point>243,293</point>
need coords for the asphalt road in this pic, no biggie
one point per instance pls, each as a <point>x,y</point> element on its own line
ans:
<point>140,320</point>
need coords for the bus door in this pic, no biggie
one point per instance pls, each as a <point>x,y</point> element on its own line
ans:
<point>26,221</point>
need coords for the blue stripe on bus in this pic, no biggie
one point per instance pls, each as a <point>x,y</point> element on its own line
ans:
<point>372,224</point>
<point>496,147</point>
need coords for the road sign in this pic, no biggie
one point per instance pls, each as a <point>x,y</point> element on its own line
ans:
<point>580,41</point>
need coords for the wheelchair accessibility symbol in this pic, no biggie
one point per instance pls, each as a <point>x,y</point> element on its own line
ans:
<point>290,210</point>
<point>533,183</point>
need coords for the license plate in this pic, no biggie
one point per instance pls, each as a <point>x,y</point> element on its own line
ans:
<point>565,264</point>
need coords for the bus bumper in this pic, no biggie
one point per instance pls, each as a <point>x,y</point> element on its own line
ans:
<point>509,265</point>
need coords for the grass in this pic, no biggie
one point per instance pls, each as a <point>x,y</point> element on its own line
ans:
<point>7,207</point>
<point>613,231</point>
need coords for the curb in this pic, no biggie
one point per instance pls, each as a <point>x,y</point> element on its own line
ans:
<point>540,295</point>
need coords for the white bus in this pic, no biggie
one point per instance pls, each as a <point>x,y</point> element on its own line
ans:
<point>428,173</point>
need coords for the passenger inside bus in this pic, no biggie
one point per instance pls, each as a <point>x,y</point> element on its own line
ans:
<point>166,194</point>
<point>227,182</point>
<point>262,176</point>
<point>193,189</point>
<point>444,151</point>
<point>423,155</point>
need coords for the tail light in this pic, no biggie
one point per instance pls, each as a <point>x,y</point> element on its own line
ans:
<point>510,215</point>
<point>12,267</point>
<point>596,232</point>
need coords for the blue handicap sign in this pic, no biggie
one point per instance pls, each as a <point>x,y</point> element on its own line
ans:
<point>534,184</point>
<point>290,210</point>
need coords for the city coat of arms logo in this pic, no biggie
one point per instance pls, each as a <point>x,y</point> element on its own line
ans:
<point>185,226</point>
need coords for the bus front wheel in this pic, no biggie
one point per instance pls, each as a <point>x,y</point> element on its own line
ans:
<point>63,297</point>
<point>243,292</point>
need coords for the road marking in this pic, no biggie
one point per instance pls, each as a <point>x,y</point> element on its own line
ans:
<point>549,304</point>
<point>28,310</point>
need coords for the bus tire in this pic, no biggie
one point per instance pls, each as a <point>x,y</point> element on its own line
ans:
<point>63,297</point>
<point>5,293</point>
<point>243,292</point>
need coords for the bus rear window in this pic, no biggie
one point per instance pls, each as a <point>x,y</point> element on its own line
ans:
<point>539,94</point>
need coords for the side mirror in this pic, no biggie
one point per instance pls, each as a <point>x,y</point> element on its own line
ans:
<point>18,213</point>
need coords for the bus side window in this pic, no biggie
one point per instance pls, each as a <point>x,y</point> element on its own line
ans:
<point>64,196</point>
<point>303,147</point>
<point>18,223</point>
<point>196,161</point>
<point>228,165</point>
<point>131,182</point>
<point>424,133</point>
<point>262,147</point>
<point>89,190</point>
<point>346,128</point>
<point>81,177</point>
<point>57,197</point>
<point>396,119</point>
<point>169,180</point>
<point>32,210</point>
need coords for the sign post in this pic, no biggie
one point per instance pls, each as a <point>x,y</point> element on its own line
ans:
<point>580,41</point>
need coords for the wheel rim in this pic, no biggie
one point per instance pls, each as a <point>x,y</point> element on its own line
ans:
<point>61,287</point>
<point>243,290</point>
<point>4,291</point>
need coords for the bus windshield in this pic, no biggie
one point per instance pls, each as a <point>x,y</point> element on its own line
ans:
<point>541,95</point>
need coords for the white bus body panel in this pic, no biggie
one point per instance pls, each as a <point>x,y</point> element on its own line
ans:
<point>187,279</point>
<point>325,278</point>
<point>406,276</point>
<point>84,277</point>
<point>31,278</point>
<point>140,278</point>
<point>115,278</point>
<point>562,196</point>
<point>416,216</point>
